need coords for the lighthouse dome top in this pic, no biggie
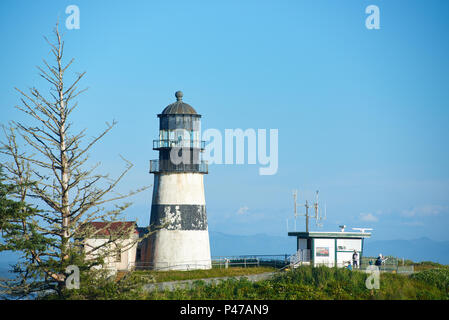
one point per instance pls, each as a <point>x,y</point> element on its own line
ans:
<point>179,107</point>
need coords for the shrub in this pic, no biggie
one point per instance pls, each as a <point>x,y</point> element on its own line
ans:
<point>436,277</point>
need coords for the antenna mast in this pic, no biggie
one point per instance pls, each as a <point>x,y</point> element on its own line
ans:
<point>307,215</point>
<point>295,195</point>
<point>318,217</point>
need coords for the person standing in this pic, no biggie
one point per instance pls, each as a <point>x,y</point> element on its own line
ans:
<point>379,260</point>
<point>355,259</point>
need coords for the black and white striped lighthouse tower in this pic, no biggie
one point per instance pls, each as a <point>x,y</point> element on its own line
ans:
<point>178,211</point>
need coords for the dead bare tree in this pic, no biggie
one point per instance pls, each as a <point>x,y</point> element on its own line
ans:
<point>50,171</point>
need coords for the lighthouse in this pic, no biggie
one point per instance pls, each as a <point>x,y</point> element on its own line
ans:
<point>180,237</point>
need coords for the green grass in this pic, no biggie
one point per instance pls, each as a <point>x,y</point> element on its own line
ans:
<point>161,276</point>
<point>436,277</point>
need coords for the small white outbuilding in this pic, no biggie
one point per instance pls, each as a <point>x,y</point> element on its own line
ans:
<point>122,253</point>
<point>329,248</point>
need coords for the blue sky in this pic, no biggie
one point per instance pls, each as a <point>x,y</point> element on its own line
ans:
<point>362,114</point>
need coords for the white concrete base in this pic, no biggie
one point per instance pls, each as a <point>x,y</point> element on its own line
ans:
<point>180,250</point>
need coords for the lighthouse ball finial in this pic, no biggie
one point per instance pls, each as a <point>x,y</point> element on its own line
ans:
<point>178,95</point>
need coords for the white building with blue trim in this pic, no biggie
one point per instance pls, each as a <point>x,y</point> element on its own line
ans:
<point>328,248</point>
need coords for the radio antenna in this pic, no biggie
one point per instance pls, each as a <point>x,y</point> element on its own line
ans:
<point>317,208</point>
<point>295,196</point>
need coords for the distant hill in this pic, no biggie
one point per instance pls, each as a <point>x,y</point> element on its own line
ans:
<point>234,245</point>
<point>423,249</point>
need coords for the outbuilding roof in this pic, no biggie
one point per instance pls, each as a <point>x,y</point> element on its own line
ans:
<point>332,235</point>
<point>108,228</point>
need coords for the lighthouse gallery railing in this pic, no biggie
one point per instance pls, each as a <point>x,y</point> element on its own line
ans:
<point>157,166</point>
<point>183,143</point>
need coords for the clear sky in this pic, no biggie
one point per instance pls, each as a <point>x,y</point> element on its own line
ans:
<point>362,114</point>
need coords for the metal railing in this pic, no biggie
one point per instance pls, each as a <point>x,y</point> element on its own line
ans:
<point>245,261</point>
<point>278,261</point>
<point>165,266</point>
<point>183,143</point>
<point>229,262</point>
<point>157,166</point>
<point>300,257</point>
<point>390,264</point>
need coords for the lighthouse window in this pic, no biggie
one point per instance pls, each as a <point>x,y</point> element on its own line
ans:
<point>163,134</point>
<point>196,124</point>
<point>194,138</point>
<point>171,122</point>
<point>163,123</point>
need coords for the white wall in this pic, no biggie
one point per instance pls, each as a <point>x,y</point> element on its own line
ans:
<point>345,250</point>
<point>128,257</point>
<point>324,243</point>
<point>343,258</point>
<point>185,188</point>
<point>349,244</point>
<point>181,249</point>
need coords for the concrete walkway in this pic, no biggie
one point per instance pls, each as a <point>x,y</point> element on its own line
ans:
<point>187,284</point>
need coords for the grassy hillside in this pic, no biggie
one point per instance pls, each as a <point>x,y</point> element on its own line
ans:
<point>303,283</point>
<point>322,283</point>
<point>129,285</point>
